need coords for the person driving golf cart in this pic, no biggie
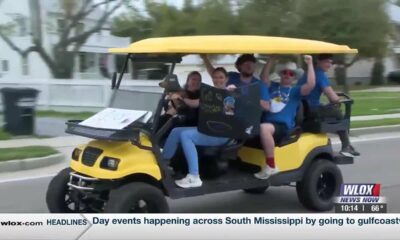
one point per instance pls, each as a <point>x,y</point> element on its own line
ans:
<point>181,101</point>
<point>189,137</point>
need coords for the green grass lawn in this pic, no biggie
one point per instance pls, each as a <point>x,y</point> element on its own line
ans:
<point>4,135</point>
<point>370,103</point>
<point>66,115</point>
<point>25,152</point>
<point>373,103</point>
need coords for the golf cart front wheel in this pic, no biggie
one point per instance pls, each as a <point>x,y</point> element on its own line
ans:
<point>137,197</point>
<point>320,185</point>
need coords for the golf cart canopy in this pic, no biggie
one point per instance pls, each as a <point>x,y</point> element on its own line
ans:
<point>232,44</point>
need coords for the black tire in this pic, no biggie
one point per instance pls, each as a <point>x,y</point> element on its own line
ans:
<point>258,190</point>
<point>129,198</point>
<point>57,193</point>
<point>320,185</point>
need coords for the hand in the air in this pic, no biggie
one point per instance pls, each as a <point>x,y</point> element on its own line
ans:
<point>308,59</point>
<point>231,87</point>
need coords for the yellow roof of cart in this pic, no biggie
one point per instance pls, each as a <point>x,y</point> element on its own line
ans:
<point>232,44</point>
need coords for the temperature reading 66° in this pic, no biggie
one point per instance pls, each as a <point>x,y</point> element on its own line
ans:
<point>378,208</point>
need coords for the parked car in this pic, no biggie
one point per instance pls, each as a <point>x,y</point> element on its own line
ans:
<point>394,76</point>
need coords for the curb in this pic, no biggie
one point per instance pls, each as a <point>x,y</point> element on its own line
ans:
<point>30,163</point>
<point>372,130</point>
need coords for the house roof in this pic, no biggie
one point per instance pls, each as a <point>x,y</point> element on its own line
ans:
<point>231,44</point>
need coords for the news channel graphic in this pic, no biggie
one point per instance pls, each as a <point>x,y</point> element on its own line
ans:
<point>360,198</point>
<point>199,226</point>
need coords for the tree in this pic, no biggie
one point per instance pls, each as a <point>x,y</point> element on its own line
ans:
<point>378,69</point>
<point>59,58</point>
<point>361,24</point>
<point>162,19</point>
<point>267,17</point>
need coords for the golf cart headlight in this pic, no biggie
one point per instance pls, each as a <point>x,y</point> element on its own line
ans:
<point>109,163</point>
<point>76,154</point>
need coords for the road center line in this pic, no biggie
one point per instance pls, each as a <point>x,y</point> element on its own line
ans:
<point>26,178</point>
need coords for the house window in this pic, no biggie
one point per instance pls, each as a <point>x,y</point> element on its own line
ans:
<point>25,67</point>
<point>4,66</point>
<point>119,63</point>
<point>86,62</point>
<point>21,23</point>
<point>60,25</point>
<point>80,28</point>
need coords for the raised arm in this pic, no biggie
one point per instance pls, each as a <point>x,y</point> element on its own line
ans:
<point>210,68</point>
<point>331,95</point>
<point>310,84</point>
<point>267,70</point>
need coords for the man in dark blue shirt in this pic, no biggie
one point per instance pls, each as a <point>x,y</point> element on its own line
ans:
<point>245,64</point>
<point>323,85</point>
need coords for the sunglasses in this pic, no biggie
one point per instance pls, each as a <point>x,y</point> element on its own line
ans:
<point>288,73</point>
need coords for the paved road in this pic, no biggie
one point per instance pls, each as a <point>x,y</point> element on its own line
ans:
<point>380,163</point>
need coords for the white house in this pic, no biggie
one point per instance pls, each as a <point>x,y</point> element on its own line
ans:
<point>93,53</point>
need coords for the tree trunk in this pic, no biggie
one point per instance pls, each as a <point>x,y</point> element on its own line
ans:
<point>378,69</point>
<point>63,64</point>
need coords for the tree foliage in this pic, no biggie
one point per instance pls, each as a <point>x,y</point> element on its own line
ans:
<point>59,57</point>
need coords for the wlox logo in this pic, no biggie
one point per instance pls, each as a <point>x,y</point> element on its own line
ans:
<point>361,190</point>
<point>360,193</point>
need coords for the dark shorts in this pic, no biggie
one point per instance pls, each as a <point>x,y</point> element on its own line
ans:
<point>281,131</point>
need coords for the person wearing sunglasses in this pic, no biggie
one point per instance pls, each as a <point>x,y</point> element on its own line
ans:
<point>324,63</point>
<point>285,100</point>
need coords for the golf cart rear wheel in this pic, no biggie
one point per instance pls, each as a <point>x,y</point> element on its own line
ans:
<point>320,185</point>
<point>258,190</point>
<point>137,197</point>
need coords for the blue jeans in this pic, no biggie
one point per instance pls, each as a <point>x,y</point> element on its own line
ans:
<point>189,137</point>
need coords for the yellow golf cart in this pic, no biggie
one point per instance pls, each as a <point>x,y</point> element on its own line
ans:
<point>122,170</point>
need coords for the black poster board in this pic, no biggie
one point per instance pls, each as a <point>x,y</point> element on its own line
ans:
<point>230,114</point>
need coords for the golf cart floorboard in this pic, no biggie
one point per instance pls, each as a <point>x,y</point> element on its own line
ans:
<point>232,180</point>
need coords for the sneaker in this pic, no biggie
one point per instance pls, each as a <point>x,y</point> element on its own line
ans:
<point>266,172</point>
<point>190,181</point>
<point>349,152</point>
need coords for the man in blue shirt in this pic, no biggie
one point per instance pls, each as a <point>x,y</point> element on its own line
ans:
<point>280,119</point>
<point>246,65</point>
<point>322,85</point>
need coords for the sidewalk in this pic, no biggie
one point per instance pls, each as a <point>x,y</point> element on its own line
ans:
<point>56,142</point>
<point>375,117</point>
<point>380,89</point>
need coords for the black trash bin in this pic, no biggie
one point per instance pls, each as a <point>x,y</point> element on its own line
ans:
<point>19,110</point>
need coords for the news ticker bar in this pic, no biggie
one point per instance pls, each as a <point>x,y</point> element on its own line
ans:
<point>198,226</point>
<point>361,208</point>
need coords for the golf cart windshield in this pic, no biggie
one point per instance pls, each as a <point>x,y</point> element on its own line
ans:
<point>135,100</point>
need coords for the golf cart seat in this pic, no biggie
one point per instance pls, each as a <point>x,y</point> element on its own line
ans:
<point>291,137</point>
<point>320,124</point>
<point>215,160</point>
<point>224,152</point>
